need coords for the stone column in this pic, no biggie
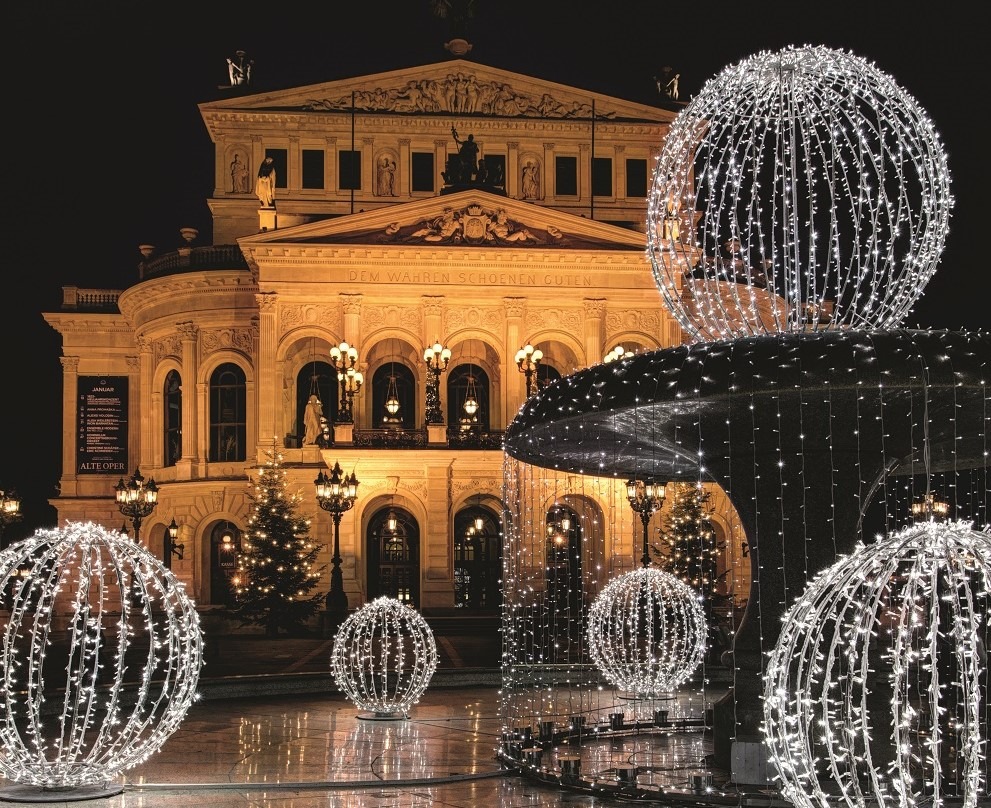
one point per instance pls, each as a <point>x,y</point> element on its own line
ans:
<point>135,444</point>
<point>595,310</point>
<point>514,387</point>
<point>403,188</point>
<point>294,181</point>
<point>265,372</point>
<point>188,334</point>
<point>513,169</point>
<point>146,404</point>
<point>70,425</point>
<point>584,172</point>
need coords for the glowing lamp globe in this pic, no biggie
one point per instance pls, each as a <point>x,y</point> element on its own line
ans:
<point>647,632</point>
<point>383,658</point>
<point>876,692</point>
<point>800,190</point>
<point>100,659</point>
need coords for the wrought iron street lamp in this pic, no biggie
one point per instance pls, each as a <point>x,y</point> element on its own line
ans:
<point>645,499</point>
<point>528,360</point>
<point>436,357</point>
<point>345,358</point>
<point>336,494</point>
<point>615,354</point>
<point>172,547</point>
<point>930,508</point>
<point>136,499</point>
<point>10,511</point>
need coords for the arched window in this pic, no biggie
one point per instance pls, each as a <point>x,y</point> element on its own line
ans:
<point>466,383</point>
<point>477,559</point>
<point>319,379</point>
<point>225,544</point>
<point>405,392</point>
<point>394,556</point>
<point>172,397</point>
<point>228,414</point>
<point>545,375</point>
<point>564,558</point>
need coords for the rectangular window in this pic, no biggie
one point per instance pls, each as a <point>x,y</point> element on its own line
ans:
<point>566,176</point>
<point>422,172</point>
<point>313,168</point>
<point>349,170</point>
<point>602,176</point>
<point>281,159</point>
<point>495,170</point>
<point>636,178</point>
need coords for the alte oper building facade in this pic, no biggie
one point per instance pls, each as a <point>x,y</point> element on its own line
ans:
<point>453,206</point>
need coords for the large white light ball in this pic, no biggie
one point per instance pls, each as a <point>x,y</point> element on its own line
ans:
<point>647,632</point>
<point>384,656</point>
<point>875,691</point>
<point>100,660</point>
<point>800,190</point>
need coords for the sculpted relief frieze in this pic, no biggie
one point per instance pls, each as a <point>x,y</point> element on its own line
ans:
<point>646,321</point>
<point>473,224</point>
<point>564,319</point>
<point>327,316</point>
<point>373,317</point>
<point>240,339</point>
<point>475,317</point>
<point>458,93</point>
<point>167,347</point>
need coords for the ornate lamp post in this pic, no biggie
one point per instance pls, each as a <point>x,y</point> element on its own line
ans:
<point>136,499</point>
<point>436,357</point>
<point>345,357</point>
<point>336,494</point>
<point>528,360</point>
<point>645,498</point>
<point>10,511</point>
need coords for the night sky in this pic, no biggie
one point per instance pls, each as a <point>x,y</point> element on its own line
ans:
<point>106,148</point>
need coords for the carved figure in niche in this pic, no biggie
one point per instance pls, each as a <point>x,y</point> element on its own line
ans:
<point>265,184</point>
<point>311,421</point>
<point>239,175</point>
<point>501,229</point>
<point>482,176</point>
<point>442,228</point>
<point>530,188</point>
<point>386,180</point>
<point>239,69</point>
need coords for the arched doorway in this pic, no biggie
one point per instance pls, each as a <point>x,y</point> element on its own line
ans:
<point>225,544</point>
<point>394,556</point>
<point>477,559</point>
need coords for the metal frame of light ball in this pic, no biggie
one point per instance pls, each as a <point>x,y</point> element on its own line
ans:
<point>800,190</point>
<point>865,654</point>
<point>384,656</point>
<point>108,591</point>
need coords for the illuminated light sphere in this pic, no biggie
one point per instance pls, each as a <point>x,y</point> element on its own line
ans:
<point>383,658</point>
<point>100,660</point>
<point>800,190</point>
<point>873,694</point>
<point>647,632</point>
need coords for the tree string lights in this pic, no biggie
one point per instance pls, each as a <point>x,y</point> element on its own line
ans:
<point>647,632</point>
<point>876,691</point>
<point>384,657</point>
<point>93,617</point>
<point>823,192</point>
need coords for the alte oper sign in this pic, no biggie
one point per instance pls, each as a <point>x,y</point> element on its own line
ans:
<point>101,424</point>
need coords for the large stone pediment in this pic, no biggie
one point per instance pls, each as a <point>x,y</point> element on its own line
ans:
<point>470,218</point>
<point>455,87</point>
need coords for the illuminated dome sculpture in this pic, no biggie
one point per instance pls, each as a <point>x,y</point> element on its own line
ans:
<point>873,691</point>
<point>647,632</point>
<point>100,661</point>
<point>384,657</point>
<point>801,190</point>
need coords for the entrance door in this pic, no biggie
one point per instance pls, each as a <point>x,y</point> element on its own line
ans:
<point>394,556</point>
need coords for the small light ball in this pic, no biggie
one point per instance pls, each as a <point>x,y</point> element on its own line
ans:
<point>647,632</point>
<point>384,656</point>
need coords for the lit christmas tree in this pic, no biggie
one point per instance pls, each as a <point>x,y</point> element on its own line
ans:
<point>691,539</point>
<point>275,566</point>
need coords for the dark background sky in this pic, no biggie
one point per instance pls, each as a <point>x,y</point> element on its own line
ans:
<point>106,148</point>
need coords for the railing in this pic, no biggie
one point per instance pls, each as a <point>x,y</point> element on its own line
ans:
<point>194,259</point>
<point>76,299</point>
<point>390,438</point>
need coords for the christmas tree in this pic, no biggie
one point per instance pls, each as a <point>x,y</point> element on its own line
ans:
<point>692,549</point>
<point>275,566</point>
